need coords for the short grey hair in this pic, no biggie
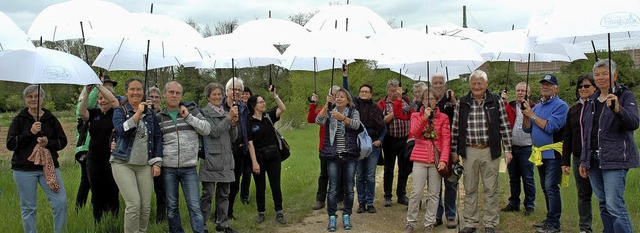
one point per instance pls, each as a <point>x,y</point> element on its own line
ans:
<point>525,85</point>
<point>166,85</point>
<point>32,88</point>
<point>438,75</point>
<point>393,82</point>
<point>212,86</point>
<point>421,85</point>
<point>154,89</point>
<point>479,74</point>
<point>605,63</point>
<point>235,80</point>
<point>334,88</point>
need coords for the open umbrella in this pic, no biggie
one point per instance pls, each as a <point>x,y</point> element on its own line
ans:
<point>245,50</point>
<point>450,29</point>
<point>12,37</point>
<point>352,18</point>
<point>274,31</point>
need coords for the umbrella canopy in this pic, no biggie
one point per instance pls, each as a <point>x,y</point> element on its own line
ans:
<point>333,44</point>
<point>570,24</point>
<point>45,66</point>
<point>516,45</point>
<point>418,71</point>
<point>62,21</point>
<point>233,50</point>
<point>274,31</point>
<point>131,61</point>
<point>352,18</point>
<point>450,29</point>
<point>12,37</point>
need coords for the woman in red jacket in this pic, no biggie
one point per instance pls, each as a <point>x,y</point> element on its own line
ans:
<point>430,129</point>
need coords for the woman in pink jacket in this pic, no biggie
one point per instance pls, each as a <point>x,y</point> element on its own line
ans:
<point>429,128</point>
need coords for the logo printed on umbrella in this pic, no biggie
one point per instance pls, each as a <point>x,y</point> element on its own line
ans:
<point>56,72</point>
<point>620,19</point>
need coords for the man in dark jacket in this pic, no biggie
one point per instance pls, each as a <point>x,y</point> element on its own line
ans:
<point>608,149</point>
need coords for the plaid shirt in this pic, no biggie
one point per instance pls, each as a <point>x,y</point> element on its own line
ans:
<point>397,128</point>
<point>478,127</point>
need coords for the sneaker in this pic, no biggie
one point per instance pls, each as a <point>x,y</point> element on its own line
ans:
<point>260,217</point>
<point>340,205</point>
<point>346,221</point>
<point>280,218</point>
<point>428,229</point>
<point>408,229</point>
<point>332,223</point>
<point>528,211</point>
<point>548,229</point>
<point>371,209</point>
<point>362,209</point>
<point>438,222</point>
<point>319,205</point>
<point>387,202</point>
<point>403,201</point>
<point>540,225</point>
<point>220,229</point>
<point>490,230</point>
<point>468,230</point>
<point>451,224</point>
<point>510,208</point>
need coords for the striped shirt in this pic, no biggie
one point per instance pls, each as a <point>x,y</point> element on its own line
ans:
<point>397,128</point>
<point>341,145</point>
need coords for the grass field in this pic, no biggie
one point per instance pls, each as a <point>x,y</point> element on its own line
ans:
<point>299,182</point>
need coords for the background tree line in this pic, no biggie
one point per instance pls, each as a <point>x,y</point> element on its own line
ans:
<point>295,86</point>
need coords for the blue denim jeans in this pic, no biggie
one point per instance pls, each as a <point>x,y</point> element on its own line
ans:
<point>550,175</point>
<point>366,177</point>
<point>521,168</point>
<point>27,184</point>
<point>188,178</point>
<point>609,186</point>
<point>334,167</point>
<point>450,196</point>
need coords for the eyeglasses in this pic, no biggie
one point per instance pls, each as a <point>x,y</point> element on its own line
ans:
<point>154,97</point>
<point>261,102</point>
<point>174,92</point>
<point>584,86</point>
<point>365,92</point>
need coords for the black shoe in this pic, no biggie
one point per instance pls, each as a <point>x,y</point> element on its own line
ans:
<point>490,230</point>
<point>260,218</point>
<point>528,211</point>
<point>387,202</point>
<point>280,218</point>
<point>438,222</point>
<point>319,205</point>
<point>510,208</point>
<point>467,230</point>
<point>231,217</point>
<point>220,229</point>
<point>540,225</point>
<point>362,209</point>
<point>403,201</point>
<point>548,229</point>
<point>371,209</point>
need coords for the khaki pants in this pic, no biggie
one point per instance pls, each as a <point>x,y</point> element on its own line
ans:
<point>136,184</point>
<point>424,173</point>
<point>479,165</point>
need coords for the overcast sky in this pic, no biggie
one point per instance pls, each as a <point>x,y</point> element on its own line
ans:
<point>487,15</point>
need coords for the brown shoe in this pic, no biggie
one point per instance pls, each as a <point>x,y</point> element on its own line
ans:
<point>451,224</point>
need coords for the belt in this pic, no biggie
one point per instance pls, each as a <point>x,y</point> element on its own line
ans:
<point>479,146</point>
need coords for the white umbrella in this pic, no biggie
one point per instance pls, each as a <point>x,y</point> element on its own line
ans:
<point>516,45</point>
<point>62,21</point>
<point>45,66</point>
<point>236,51</point>
<point>450,29</point>
<point>131,61</point>
<point>352,18</point>
<point>418,71</point>
<point>12,37</point>
<point>274,31</point>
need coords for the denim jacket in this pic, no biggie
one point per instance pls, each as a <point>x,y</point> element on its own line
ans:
<point>618,149</point>
<point>125,133</point>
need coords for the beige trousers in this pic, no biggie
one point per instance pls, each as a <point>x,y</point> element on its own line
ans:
<point>424,174</point>
<point>479,165</point>
<point>136,184</point>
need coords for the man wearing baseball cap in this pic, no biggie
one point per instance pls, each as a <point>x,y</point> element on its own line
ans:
<point>545,122</point>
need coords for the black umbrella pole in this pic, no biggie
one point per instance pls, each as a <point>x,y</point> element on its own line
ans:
<point>506,85</point>
<point>526,90</point>
<point>595,53</point>
<point>84,47</point>
<point>612,88</point>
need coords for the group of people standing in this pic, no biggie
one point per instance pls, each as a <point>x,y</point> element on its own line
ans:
<point>130,141</point>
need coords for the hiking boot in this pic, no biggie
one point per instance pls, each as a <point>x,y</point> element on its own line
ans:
<point>468,230</point>
<point>371,209</point>
<point>319,205</point>
<point>510,208</point>
<point>280,218</point>
<point>548,229</point>
<point>403,201</point>
<point>346,221</point>
<point>451,224</point>
<point>528,211</point>
<point>438,222</point>
<point>408,229</point>
<point>332,223</point>
<point>540,225</point>
<point>362,209</point>
<point>260,217</point>
<point>490,230</point>
<point>387,202</point>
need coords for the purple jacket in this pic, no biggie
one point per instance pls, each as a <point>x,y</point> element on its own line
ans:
<point>618,150</point>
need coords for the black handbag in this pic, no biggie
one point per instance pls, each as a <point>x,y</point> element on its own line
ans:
<point>283,145</point>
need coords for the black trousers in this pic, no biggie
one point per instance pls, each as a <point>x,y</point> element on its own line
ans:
<point>246,177</point>
<point>238,157</point>
<point>273,170</point>
<point>104,190</point>
<point>161,198</point>
<point>393,148</point>
<point>83,189</point>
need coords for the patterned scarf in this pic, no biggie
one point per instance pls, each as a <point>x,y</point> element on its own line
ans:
<point>42,156</point>
<point>220,109</point>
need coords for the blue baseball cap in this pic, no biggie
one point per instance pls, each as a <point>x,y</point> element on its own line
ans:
<point>550,79</point>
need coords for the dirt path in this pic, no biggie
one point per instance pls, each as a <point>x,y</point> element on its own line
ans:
<point>387,219</point>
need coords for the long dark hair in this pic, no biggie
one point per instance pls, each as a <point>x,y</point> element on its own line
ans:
<point>251,103</point>
<point>581,78</point>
